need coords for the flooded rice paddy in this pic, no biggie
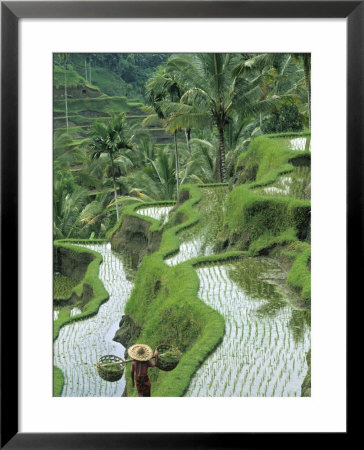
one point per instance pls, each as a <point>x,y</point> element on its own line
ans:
<point>189,250</point>
<point>199,240</point>
<point>156,212</point>
<point>263,350</point>
<point>301,143</point>
<point>265,342</point>
<point>296,184</point>
<point>80,344</point>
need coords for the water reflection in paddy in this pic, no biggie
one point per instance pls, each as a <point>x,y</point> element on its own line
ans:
<point>156,212</point>
<point>265,342</point>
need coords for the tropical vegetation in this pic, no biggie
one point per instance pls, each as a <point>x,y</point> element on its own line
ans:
<point>221,143</point>
<point>200,113</point>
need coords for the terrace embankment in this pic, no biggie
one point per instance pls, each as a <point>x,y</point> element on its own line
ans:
<point>85,297</point>
<point>135,238</point>
<point>268,211</point>
<point>73,264</point>
<point>128,331</point>
<point>138,235</point>
<point>70,262</point>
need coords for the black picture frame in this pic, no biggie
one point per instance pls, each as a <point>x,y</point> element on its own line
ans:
<point>11,12</point>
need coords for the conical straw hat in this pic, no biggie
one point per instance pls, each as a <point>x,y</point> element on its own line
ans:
<point>140,352</point>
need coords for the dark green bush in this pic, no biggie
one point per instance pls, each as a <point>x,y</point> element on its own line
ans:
<point>287,118</point>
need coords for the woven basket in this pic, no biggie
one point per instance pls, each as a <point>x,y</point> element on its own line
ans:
<point>111,373</point>
<point>162,363</point>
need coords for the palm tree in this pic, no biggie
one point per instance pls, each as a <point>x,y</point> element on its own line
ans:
<point>209,97</point>
<point>99,215</point>
<point>305,59</point>
<point>215,94</point>
<point>109,137</point>
<point>163,86</point>
<point>67,151</point>
<point>277,75</point>
<point>68,202</point>
<point>158,179</point>
<point>199,166</point>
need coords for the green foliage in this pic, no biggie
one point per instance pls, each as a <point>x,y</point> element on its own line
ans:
<point>158,179</point>
<point>109,82</point>
<point>299,277</point>
<point>287,118</point>
<point>306,385</point>
<point>63,286</point>
<point>259,223</point>
<point>58,381</point>
<point>270,240</point>
<point>250,216</point>
<point>91,278</point>
<point>263,161</point>
<point>103,104</point>
<point>115,72</point>
<point>74,80</point>
<point>289,134</point>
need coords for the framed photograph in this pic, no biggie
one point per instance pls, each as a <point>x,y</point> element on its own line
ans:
<point>293,72</point>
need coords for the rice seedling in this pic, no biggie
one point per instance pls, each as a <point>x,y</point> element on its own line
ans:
<point>265,342</point>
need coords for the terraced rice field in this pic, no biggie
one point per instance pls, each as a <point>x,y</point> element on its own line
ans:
<point>199,239</point>
<point>300,143</point>
<point>261,353</point>
<point>189,250</point>
<point>156,212</point>
<point>80,344</point>
<point>296,184</point>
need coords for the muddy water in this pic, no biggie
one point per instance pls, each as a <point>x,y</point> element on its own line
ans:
<point>80,344</point>
<point>265,342</point>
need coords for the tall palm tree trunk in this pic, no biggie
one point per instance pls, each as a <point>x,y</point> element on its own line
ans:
<point>65,93</point>
<point>177,163</point>
<point>306,63</point>
<point>187,134</point>
<point>222,166</point>
<point>86,77</point>
<point>115,191</point>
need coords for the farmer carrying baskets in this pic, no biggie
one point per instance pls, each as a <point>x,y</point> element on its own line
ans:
<point>141,355</point>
